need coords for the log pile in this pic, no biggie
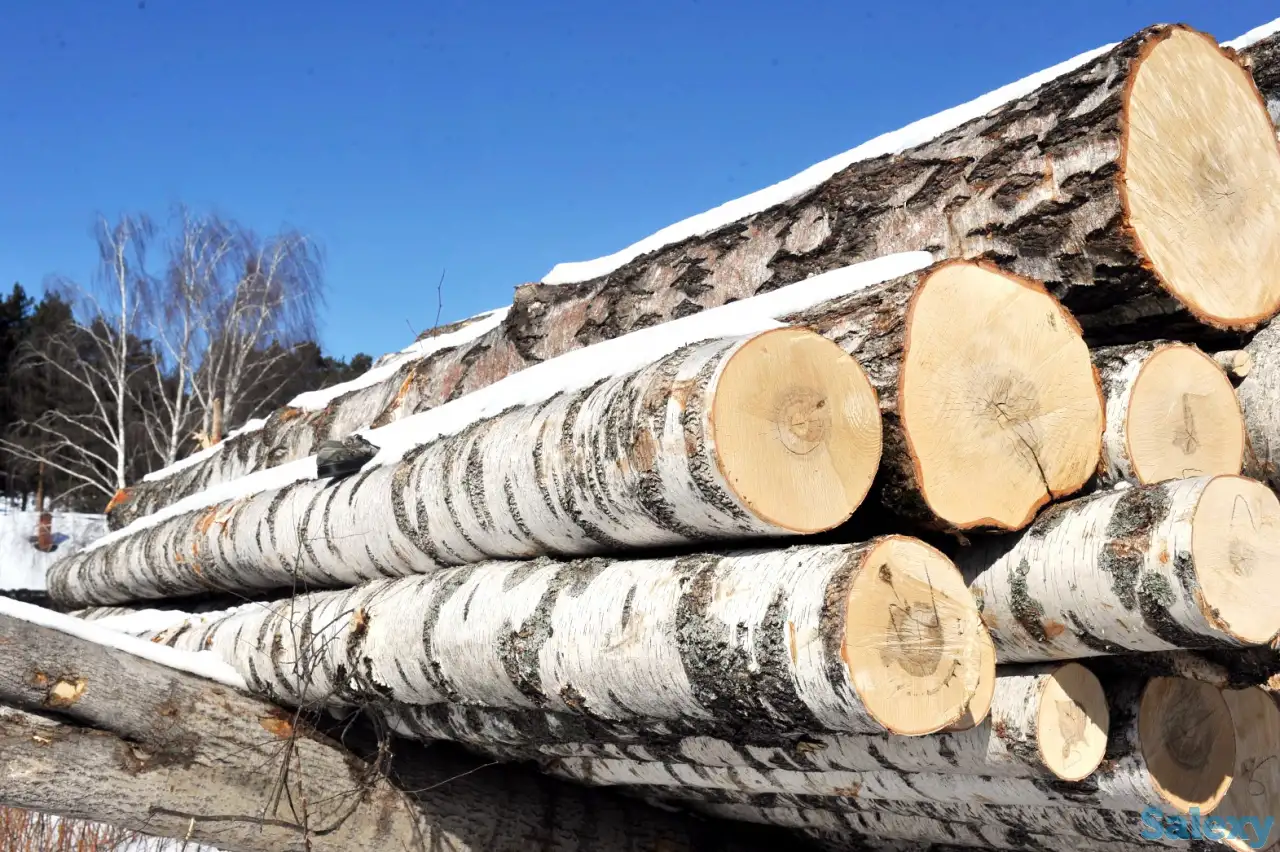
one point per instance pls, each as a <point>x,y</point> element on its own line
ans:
<point>936,506</point>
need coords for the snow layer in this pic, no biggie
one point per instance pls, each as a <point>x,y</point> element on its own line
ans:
<point>203,664</point>
<point>916,133</point>
<point>571,371</point>
<point>318,400</point>
<point>180,464</point>
<point>1254,35</point>
<point>24,567</point>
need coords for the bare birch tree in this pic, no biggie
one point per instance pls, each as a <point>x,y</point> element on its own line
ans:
<point>99,357</point>
<point>254,320</point>
<point>158,359</point>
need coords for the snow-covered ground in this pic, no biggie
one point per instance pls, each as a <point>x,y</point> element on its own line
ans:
<point>22,566</point>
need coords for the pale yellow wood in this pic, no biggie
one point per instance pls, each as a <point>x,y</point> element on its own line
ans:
<point>1235,542</point>
<point>1072,722</point>
<point>999,399</point>
<point>1188,742</point>
<point>1183,419</point>
<point>797,429</point>
<point>1255,792</point>
<point>1201,180</point>
<point>913,639</point>
<point>980,705</point>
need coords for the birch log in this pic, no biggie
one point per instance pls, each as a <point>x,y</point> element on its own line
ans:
<point>991,406</point>
<point>857,825</point>
<point>1048,183</point>
<point>1259,395</point>
<point>107,736</point>
<point>1189,563</point>
<point>872,637</point>
<point>1172,413</point>
<point>1048,721</point>
<point>770,434</point>
<point>1262,58</point>
<point>1079,825</point>
<point>1254,795</point>
<point>1174,748</point>
<point>722,439</point>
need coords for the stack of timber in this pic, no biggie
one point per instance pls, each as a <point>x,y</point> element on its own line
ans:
<point>934,505</point>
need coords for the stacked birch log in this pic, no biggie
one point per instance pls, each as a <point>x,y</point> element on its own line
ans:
<point>926,511</point>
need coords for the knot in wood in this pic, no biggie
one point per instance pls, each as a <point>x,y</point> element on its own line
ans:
<point>916,640</point>
<point>803,420</point>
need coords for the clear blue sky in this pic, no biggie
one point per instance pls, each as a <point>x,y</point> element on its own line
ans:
<point>493,139</point>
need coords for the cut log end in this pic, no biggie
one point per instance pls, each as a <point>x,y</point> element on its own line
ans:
<point>913,639</point>
<point>797,430</point>
<point>1072,722</point>
<point>1183,418</point>
<point>1201,180</point>
<point>1255,792</point>
<point>1188,742</point>
<point>1235,547</point>
<point>1000,402</point>
<point>980,704</point>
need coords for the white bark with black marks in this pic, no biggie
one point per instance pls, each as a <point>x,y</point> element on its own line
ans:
<point>761,435</point>
<point>94,733</point>
<point>1008,743</point>
<point>1171,414</point>
<point>866,637</point>
<point>1122,571</point>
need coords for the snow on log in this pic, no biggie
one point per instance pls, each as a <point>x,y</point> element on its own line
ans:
<point>1042,177</point>
<point>1188,563</point>
<point>991,405</point>
<point>1048,721</point>
<point>97,733</point>
<point>764,435</point>
<point>1172,413</point>
<point>873,637</point>
<point>1262,57</point>
<point>477,380</point>
<point>1174,748</point>
<point>980,430</point>
<point>1088,182</point>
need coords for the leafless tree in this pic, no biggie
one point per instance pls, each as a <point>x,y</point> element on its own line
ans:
<point>254,318</point>
<point>201,255</point>
<point>157,356</point>
<point>96,446</point>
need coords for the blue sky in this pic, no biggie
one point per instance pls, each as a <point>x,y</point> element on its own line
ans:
<point>491,139</point>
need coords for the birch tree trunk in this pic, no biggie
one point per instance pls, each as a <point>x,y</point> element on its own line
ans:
<point>1189,563</point>
<point>1047,183</point>
<point>1048,721</point>
<point>153,749</point>
<point>1174,748</point>
<point>1172,413</point>
<point>771,434</point>
<point>868,637</point>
